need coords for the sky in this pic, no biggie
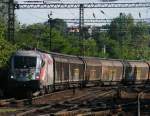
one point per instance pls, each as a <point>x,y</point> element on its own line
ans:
<point>31,16</point>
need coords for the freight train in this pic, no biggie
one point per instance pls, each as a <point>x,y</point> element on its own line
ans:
<point>33,70</point>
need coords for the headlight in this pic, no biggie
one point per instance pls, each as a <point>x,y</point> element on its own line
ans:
<point>12,77</point>
<point>37,77</point>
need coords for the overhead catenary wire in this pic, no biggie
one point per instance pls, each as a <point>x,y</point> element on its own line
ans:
<point>86,5</point>
<point>61,1</point>
<point>77,5</point>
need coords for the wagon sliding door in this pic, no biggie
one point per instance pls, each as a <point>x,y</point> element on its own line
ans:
<point>65,72</point>
<point>117,71</point>
<point>112,71</point>
<point>61,70</point>
<point>107,68</point>
<point>76,70</point>
<point>140,71</point>
<point>93,70</point>
<point>58,72</point>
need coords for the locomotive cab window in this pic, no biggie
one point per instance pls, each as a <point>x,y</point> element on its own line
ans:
<point>24,62</point>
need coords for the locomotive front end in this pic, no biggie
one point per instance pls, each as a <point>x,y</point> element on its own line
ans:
<point>25,70</point>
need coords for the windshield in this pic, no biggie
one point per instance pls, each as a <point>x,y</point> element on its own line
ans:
<point>24,62</point>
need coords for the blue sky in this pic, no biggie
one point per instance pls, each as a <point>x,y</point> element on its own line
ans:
<point>31,16</point>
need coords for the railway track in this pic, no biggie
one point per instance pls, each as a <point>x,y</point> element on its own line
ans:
<point>72,103</point>
<point>87,100</point>
<point>56,96</point>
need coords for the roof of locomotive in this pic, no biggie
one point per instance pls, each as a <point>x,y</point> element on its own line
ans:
<point>32,53</point>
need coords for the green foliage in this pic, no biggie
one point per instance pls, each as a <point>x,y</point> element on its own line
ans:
<point>124,39</point>
<point>133,38</point>
<point>6,48</point>
<point>90,47</point>
<point>59,25</point>
<point>121,27</point>
<point>59,43</point>
<point>2,28</point>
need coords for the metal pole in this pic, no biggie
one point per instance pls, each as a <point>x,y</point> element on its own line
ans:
<point>139,107</point>
<point>81,24</point>
<point>139,104</point>
<point>11,20</point>
<point>50,30</point>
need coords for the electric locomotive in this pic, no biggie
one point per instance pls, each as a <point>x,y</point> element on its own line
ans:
<point>31,71</point>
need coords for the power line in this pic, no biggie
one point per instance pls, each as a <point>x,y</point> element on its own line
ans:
<point>86,5</point>
<point>15,5</point>
<point>104,20</point>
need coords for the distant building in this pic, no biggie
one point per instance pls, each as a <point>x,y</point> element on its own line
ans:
<point>86,29</point>
<point>73,29</point>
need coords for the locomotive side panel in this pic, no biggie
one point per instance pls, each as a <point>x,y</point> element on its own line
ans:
<point>46,72</point>
<point>50,70</point>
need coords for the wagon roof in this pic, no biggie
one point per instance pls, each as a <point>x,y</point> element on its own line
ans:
<point>138,64</point>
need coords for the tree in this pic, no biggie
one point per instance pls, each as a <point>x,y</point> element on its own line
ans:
<point>121,27</point>
<point>90,47</point>
<point>140,40</point>
<point>123,39</point>
<point>58,24</point>
<point>131,38</point>
<point>3,12</point>
<point>6,48</point>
